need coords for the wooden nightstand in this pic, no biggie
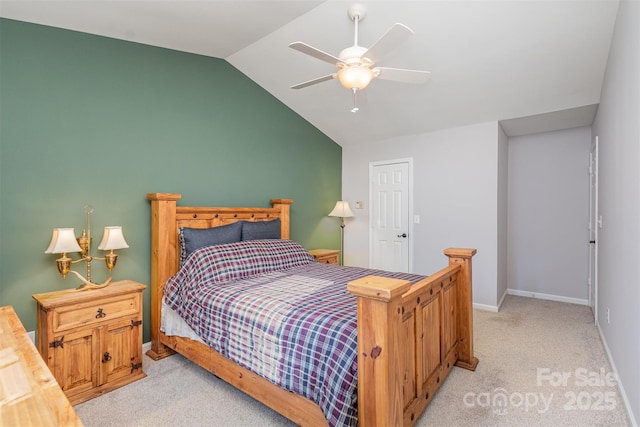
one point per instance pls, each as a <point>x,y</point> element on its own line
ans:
<point>326,256</point>
<point>92,340</point>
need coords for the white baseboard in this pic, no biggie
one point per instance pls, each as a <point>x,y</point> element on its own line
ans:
<point>485,307</point>
<point>549,297</point>
<point>146,346</point>
<point>504,295</point>
<point>625,399</point>
<point>32,336</point>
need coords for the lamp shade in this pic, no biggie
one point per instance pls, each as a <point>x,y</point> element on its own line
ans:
<point>355,77</point>
<point>63,240</point>
<point>112,239</point>
<point>342,210</point>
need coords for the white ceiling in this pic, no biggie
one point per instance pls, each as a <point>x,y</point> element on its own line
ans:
<point>490,60</point>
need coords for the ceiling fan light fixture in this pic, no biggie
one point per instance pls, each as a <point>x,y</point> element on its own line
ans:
<point>357,64</point>
<point>355,77</point>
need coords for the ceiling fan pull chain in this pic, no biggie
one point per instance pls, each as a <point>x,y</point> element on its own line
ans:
<point>355,106</point>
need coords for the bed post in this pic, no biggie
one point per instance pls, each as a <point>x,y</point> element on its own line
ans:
<point>285,206</point>
<point>380,399</point>
<point>163,261</point>
<point>464,320</point>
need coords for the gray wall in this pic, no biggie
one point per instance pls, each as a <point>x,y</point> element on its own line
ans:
<point>549,214</point>
<point>455,193</point>
<point>617,125</point>
<point>503,212</point>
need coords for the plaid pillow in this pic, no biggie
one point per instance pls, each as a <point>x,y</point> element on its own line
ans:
<point>232,261</point>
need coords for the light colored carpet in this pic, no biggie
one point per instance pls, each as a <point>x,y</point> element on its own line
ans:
<point>541,364</point>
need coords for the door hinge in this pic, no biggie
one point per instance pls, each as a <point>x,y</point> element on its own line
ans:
<point>135,366</point>
<point>57,343</point>
<point>135,323</point>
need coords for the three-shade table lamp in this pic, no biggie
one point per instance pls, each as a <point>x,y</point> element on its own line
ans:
<point>64,241</point>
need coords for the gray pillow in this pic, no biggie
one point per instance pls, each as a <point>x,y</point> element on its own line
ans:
<point>195,238</point>
<point>261,230</point>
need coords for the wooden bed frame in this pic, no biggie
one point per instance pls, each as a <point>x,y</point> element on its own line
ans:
<point>409,337</point>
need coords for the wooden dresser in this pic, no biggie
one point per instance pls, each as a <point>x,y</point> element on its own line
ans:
<point>29,394</point>
<point>92,340</point>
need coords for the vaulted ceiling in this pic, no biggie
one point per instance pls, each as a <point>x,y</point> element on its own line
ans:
<point>534,65</point>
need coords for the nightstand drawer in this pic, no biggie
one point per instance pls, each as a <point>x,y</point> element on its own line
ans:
<point>94,312</point>
<point>326,256</point>
<point>327,260</point>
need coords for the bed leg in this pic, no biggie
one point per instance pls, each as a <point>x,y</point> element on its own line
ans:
<point>159,351</point>
<point>464,321</point>
<point>380,378</point>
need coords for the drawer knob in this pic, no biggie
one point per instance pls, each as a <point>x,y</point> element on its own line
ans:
<point>106,357</point>
<point>100,314</point>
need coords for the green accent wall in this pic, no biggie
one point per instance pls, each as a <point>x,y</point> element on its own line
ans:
<point>86,119</point>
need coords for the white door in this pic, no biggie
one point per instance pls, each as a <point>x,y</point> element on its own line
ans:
<point>594,223</point>
<point>389,215</point>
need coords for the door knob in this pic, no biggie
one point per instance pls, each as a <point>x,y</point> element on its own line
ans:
<point>403,235</point>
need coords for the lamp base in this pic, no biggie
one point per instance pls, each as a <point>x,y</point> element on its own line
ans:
<point>86,285</point>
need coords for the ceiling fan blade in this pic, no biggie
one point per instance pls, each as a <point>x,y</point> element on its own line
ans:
<point>314,81</point>
<point>316,53</point>
<point>394,36</point>
<point>404,76</point>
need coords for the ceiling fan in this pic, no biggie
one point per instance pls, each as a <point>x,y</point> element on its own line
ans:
<point>356,63</point>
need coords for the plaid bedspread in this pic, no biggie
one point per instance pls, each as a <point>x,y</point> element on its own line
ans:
<point>294,327</point>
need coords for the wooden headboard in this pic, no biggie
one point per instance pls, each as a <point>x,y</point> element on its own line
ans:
<point>167,218</point>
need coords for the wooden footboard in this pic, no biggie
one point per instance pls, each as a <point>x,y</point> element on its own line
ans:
<point>409,337</point>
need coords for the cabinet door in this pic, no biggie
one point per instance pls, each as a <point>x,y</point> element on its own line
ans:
<point>431,341</point>
<point>119,356</point>
<point>449,300</point>
<point>75,365</point>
